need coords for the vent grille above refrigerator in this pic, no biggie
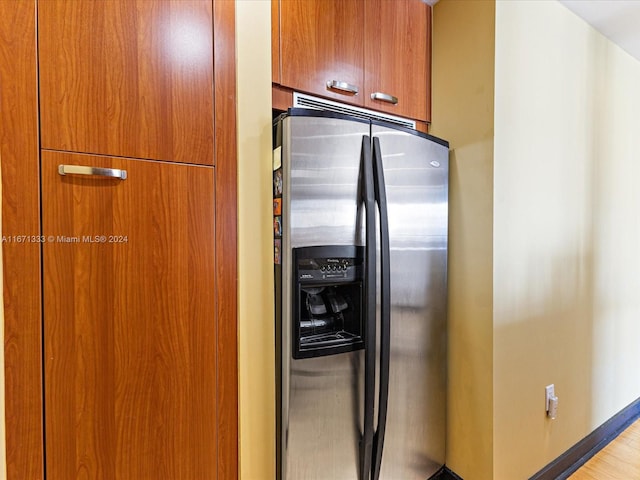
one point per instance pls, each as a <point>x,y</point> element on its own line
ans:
<point>300,100</point>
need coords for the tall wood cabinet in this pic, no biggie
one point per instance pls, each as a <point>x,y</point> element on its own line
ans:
<point>370,53</point>
<point>137,175</point>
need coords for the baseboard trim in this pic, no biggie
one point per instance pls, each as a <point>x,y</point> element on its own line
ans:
<point>445,474</point>
<point>576,456</point>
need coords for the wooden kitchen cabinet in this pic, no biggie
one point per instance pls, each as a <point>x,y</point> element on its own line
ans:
<point>320,47</point>
<point>129,341</point>
<point>380,48</point>
<point>397,67</point>
<point>130,363</point>
<point>128,78</point>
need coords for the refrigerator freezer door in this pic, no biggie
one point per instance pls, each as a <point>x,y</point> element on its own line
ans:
<point>321,398</point>
<point>324,427</point>
<point>323,157</point>
<point>416,177</point>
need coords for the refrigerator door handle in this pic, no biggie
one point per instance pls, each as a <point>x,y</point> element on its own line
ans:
<point>385,312</point>
<point>366,442</point>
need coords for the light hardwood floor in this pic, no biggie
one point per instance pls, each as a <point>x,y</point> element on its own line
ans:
<point>620,460</point>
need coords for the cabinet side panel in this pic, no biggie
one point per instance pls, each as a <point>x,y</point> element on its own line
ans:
<point>226,180</point>
<point>21,217</point>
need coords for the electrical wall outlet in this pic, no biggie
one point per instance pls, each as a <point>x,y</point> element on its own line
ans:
<point>549,391</point>
<point>550,401</point>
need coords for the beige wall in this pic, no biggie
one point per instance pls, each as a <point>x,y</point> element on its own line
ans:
<point>566,232</point>
<point>255,255</point>
<point>544,264</point>
<point>463,82</point>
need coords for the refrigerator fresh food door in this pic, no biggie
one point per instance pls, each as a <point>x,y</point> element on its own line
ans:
<point>321,404</point>
<point>415,170</point>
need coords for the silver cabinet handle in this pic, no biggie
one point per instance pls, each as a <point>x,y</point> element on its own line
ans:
<point>343,86</point>
<point>82,170</point>
<point>385,97</point>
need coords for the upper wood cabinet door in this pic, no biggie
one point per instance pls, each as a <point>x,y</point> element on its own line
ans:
<point>129,320</point>
<point>397,61</point>
<point>128,78</point>
<point>322,44</point>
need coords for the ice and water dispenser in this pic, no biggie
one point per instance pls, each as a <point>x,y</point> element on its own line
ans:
<point>328,300</point>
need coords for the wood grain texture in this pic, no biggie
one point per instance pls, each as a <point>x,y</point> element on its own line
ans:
<point>275,41</point>
<point>281,98</point>
<point>131,79</point>
<point>322,40</point>
<point>397,60</point>
<point>21,216</point>
<point>429,60</point>
<point>619,460</point>
<point>422,126</point>
<point>226,208</point>
<point>130,327</point>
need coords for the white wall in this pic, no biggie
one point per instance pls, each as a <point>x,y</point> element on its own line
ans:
<point>566,232</point>
<point>255,249</point>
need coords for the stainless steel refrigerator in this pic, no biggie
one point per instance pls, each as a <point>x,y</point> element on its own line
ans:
<point>360,252</point>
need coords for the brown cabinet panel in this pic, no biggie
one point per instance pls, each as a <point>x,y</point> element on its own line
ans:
<point>319,44</point>
<point>127,78</point>
<point>129,320</point>
<point>19,159</point>
<point>275,41</point>
<point>226,207</point>
<point>397,62</point>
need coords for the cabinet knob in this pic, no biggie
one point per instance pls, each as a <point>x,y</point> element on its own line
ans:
<point>385,97</point>
<point>101,172</point>
<point>342,86</point>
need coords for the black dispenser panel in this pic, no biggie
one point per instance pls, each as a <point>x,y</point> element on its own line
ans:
<point>327,300</point>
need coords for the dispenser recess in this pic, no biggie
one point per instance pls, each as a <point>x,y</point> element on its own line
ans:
<point>327,300</point>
